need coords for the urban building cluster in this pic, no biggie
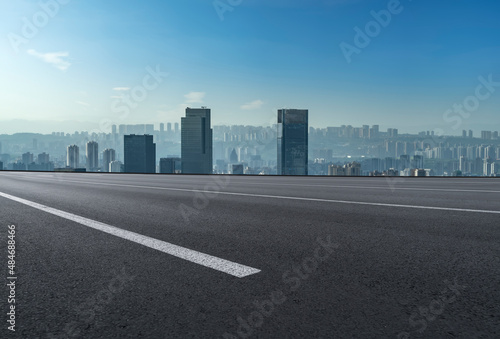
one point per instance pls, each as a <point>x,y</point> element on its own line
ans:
<point>289,147</point>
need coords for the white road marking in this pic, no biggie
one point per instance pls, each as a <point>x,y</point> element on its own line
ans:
<point>371,187</point>
<point>287,197</point>
<point>199,258</point>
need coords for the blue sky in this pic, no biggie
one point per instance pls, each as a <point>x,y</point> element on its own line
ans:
<point>264,55</point>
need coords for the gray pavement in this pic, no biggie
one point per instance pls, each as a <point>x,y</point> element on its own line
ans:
<point>334,257</point>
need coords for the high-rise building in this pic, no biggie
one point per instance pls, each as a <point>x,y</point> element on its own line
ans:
<point>334,170</point>
<point>92,155</point>
<point>43,158</point>
<point>169,127</point>
<point>404,162</point>
<point>170,165</point>
<point>108,155</point>
<point>1,166</point>
<point>462,165</point>
<point>392,132</point>
<point>27,158</point>
<point>487,167</point>
<point>293,141</point>
<point>418,173</point>
<point>162,130</point>
<point>233,157</point>
<point>494,169</point>
<point>176,127</point>
<point>140,154</point>
<point>374,131</point>
<point>487,135</point>
<point>196,141</point>
<point>418,162</point>
<point>73,156</point>
<point>43,163</point>
<point>353,169</point>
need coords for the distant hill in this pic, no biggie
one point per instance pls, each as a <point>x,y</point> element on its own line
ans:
<point>45,126</point>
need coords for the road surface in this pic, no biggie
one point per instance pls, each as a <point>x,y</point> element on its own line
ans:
<point>170,256</point>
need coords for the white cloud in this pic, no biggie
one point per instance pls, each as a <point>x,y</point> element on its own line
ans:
<point>56,59</point>
<point>252,105</point>
<point>170,112</point>
<point>194,97</point>
<point>121,89</point>
<point>82,103</point>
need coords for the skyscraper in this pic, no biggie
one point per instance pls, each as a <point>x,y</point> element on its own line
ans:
<point>73,156</point>
<point>108,155</point>
<point>293,141</point>
<point>196,141</point>
<point>140,154</point>
<point>92,153</point>
<point>27,158</point>
<point>43,158</point>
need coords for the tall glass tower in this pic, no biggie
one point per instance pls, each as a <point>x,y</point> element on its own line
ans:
<point>293,141</point>
<point>140,154</point>
<point>196,141</point>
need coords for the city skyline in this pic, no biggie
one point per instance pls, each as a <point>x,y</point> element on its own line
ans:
<point>416,65</point>
<point>342,150</point>
<point>157,127</point>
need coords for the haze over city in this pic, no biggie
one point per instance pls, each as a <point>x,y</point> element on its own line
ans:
<point>411,63</point>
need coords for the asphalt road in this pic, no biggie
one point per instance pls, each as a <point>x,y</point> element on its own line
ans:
<point>156,256</point>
